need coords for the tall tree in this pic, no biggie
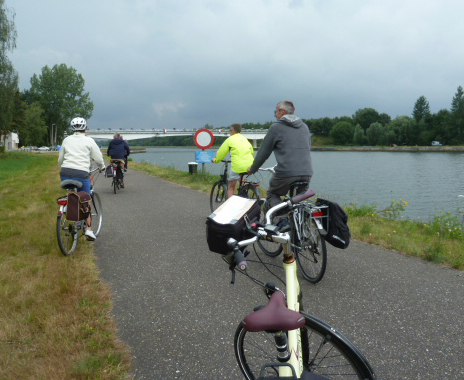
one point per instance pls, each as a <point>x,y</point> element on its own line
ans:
<point>421,109</point>
<point>34,129</point>
<point>365,117</point>
<point>457,116</point>
<point>375,134</point>
<point>359,136</point>
<point>8,75</point>
<point>60,92</point>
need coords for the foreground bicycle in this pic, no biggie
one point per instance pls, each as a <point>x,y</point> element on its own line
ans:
<point>279,340</point>
<point>247,188</point>
<point>68,232</point>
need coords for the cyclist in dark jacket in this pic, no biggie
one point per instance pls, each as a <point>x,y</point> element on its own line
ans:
<point>118,149</point>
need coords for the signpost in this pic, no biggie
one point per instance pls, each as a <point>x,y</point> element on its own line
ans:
<point>203,139</point>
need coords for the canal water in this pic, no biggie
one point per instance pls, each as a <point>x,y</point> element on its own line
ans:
<point>430,182</point>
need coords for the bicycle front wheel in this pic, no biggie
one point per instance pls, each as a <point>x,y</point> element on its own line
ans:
<point>97,214</point>
<point>218,195</point>
<point>330,354</point>
<point>270,248</point>
<point>309,248</point>
<point>66,234</point>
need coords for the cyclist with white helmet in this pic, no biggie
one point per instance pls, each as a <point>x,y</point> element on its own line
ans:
<point>76,155</point>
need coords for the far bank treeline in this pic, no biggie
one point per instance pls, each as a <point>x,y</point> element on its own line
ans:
<point>367,127</point>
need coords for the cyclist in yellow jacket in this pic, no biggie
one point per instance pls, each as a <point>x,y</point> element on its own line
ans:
<point>241,155</point>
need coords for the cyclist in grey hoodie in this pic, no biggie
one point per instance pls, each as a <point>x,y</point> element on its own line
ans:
<point>290,140</point>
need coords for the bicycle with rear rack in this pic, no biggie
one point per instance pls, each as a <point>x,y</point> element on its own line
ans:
<point>116,173</point>
<point>68,232</point>
<point>280,340</point>
<point>219,192</point>
<point>308,224</point>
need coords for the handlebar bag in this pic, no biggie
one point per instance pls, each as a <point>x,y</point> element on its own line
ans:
<point>230,221</point>
<point>78,206</point>
<point>338,233</point>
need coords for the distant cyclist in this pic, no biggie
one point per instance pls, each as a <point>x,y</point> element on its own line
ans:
<point>118,150</point>
<point>241,155</point>
<point>75,159</point>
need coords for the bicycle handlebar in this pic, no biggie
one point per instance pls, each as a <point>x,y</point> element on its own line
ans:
<point>238,256</point>
<point>271,169</point>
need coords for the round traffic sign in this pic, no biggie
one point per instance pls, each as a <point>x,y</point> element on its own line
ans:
<point>203,138</point>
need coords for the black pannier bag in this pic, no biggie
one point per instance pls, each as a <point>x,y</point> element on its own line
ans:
<point>78,207</point>
<point>338,233</point>
<point>109,173</point>
<point>230,221</point>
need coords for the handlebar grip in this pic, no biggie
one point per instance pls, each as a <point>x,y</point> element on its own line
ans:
<point>240,260</point>
<point>302,197</point>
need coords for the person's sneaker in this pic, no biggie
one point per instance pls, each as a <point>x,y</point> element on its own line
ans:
<point>90,235</point>
<point>284,226</point>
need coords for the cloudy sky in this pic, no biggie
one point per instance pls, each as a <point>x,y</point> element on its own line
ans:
<point>185,63</point>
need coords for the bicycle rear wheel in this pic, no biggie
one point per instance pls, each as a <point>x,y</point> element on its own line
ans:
<point>115,184</point>
<point>270,248</point>
<point>66,234</point>
<point>309,248</point>
<point>218,195</point>
<point>248,191</point>
<point>97,214</point>
<point>331,355</point>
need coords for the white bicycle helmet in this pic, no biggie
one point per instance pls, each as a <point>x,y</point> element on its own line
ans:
<point>78,124</point>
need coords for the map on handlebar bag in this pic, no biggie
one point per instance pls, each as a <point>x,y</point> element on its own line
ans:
<point>233,209</point>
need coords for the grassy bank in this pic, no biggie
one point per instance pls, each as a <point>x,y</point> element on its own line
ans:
<point>440,241</point>
<point>54,310</point>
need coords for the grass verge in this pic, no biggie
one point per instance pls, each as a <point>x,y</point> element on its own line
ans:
<point>439,241</point>
<point>54,310</point>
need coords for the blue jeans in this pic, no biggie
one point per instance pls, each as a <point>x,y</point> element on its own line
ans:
<point>85,183</point>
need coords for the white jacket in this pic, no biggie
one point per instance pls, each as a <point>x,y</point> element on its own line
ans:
<point>77,152</point>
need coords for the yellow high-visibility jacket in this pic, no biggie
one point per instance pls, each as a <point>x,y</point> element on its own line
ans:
<point>241,152</point>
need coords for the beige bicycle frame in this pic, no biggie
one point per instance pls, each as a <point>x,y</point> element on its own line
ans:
<point>294,336</point>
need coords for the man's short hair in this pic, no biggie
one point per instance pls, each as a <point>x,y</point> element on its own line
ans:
<point>116,136</point>
<point>288,106</point>
<point>237,127</point>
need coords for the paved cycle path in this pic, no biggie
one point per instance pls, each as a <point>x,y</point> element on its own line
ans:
<point>175,307</point>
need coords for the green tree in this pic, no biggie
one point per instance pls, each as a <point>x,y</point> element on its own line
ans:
<point>375,134</point>
<point>421,109</point>
<point>365,117</point>
<point>60,92</point>
<point>457,117</point>
<point>342,132</point>
<point>441,123</point>
<point>359,136</point>
<point>402,128</point>
<point>8,90</point>
<point>8,75</point>
<point>34,130</point>
<point>320,126</point>
<point>7,33</point>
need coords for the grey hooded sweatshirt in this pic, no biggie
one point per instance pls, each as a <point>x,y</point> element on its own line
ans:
<point>290,141</point>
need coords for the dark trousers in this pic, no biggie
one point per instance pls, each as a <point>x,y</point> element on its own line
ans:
<point>279,187</point>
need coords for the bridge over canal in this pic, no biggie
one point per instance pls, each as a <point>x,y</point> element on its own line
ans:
<point>133,134</point>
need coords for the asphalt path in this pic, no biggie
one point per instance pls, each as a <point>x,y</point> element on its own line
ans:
<point>175,307</point>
